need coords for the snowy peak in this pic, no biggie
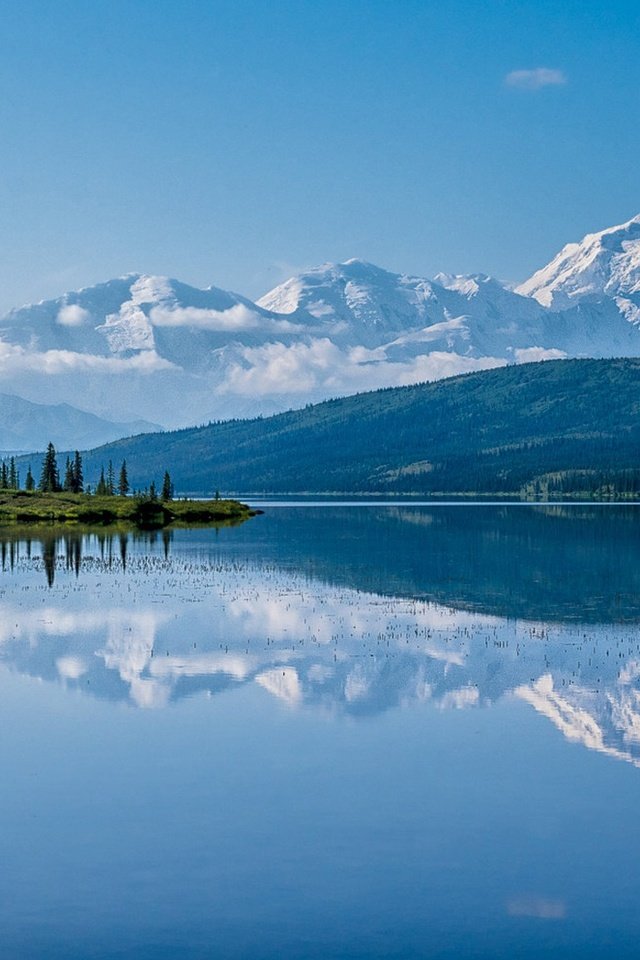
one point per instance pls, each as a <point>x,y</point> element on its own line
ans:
<point>358,297</point>
<point>471,284</point>
<point>604,264</point>
<point>134,313</point>
<point>469,314</point>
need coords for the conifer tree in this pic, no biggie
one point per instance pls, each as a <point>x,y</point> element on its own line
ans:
<point>4,476</point>
<point>13,476</point>
<point>78,477</point>
<point>69,479</point>
<point>111,486</point>
<point>101,487</point>
<point>29,483</point>
<point>167,487</point>
<point>123,482</point>
<point>50,478</point>
<point>153,493</point>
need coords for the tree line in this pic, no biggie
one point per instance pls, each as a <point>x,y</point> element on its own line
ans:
<point>9,475</point>
<point>72,480</point>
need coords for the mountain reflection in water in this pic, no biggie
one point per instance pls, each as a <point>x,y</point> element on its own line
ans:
<point>355,611</point>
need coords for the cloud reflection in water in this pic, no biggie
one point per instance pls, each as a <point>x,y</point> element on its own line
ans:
<point>153,628</point>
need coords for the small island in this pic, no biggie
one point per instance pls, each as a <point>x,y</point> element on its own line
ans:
<point>24,507</point>
<point>69,501</point>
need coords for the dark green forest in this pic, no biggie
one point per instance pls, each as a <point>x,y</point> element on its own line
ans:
<point>567,428</point>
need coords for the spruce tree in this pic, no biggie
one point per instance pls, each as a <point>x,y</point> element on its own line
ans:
<point>153,493</point>
<point>13,476</point>
<point>4,476</point>
<point>101,487</point>
<point>50,478</point>
<point>69,480</point>
<point>167,487</point>
<point>29,483</point>
<point>78,477</point>
<point>123,483</point>
<point>111,486</point>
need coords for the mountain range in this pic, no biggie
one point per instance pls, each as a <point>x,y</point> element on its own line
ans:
<point>152,347</point>
<point>26,426</point>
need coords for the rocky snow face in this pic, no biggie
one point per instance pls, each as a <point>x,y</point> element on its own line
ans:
<point>357,297</point>
<point>605,264</point>
<point>147,346</point>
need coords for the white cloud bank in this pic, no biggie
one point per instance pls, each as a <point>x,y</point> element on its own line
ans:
<point>320,365</point>
<point>536,354</point>
<point>15,359</point>
<point>535,79</point>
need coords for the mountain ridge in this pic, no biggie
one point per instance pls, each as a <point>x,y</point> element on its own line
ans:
<point>606,262</point>
<point>560,427</point>
<point>27,426</point>
<point>154,347</point>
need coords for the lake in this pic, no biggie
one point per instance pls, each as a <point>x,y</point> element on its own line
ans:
<point>335,731</point>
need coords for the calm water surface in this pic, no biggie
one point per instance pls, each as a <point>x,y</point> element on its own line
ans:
<point>332,732</point>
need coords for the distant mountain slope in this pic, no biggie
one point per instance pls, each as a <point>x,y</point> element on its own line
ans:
<point>493,431</point>
<point>30,426</point>
<point>153,347</point>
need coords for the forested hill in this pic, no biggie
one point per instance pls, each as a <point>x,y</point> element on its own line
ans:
<point>557,428</point>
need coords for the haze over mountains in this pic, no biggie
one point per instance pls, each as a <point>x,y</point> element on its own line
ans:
<point>26,426</point>
<point>152,347</point>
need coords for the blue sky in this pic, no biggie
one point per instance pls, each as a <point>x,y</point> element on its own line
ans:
<point>237,142</point>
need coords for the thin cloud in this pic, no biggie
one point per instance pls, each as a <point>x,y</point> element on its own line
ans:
<point>14,358</point>
<point>236,318</point>
<point>535,79</point>
<point>540,907</point>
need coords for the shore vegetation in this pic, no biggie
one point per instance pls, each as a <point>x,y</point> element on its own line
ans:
<point>64,498</point>
<point>30,507</point>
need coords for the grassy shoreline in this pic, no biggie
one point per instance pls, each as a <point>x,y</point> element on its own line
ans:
<point>21,507</point>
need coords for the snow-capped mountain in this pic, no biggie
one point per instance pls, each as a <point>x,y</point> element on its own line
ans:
<point>605,264</point>
<point>373,307</point>
<point>138,345</point>
<point>175,354</point>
